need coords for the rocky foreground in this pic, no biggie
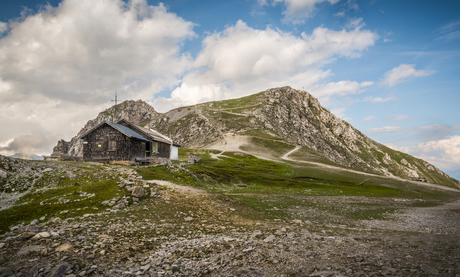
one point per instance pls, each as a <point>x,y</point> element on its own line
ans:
<point>172,230</point>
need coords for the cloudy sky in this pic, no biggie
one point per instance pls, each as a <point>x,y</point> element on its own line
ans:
<point>390,68</point>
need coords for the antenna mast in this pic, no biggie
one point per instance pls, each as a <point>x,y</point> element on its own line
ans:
<point>116,102</point>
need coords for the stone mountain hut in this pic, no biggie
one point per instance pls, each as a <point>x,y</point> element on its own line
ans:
<point>125,141</point>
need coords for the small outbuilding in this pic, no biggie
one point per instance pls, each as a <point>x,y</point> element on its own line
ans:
<point>193,158</point>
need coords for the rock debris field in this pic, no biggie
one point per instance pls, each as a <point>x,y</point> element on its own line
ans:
<point>173,230</point>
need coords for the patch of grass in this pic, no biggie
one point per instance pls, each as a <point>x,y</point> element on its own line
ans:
<point>229,116</point>
<point>307,154</point>
<point>234,103</point>
<point>268,146</point>
<point>265,177</point>
<point>51,202</point>
<point>143,123</point>
<point>285,186</point>
<point>54,193</point>
<point>260,133</point>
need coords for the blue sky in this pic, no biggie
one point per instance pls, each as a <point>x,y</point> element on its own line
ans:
<point>390,68</point>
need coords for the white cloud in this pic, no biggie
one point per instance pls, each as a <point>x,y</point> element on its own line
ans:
<point>397,117</point>
<point>402,72</point>
<point>379,99</point>
<point>355,22</point>
<point>241,60</point>
<point>444,153</point>
<point>450,31</point>
<point>340,88</point>
<point>3,27</point>
<point>386,129</point>
<point>61,65</point>
<point>339,112</point>
<point>297,10</point>
<point>369,118</point>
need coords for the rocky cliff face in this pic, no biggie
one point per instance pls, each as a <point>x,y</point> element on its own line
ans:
<point>294,116</point>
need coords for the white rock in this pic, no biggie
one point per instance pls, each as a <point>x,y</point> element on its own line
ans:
<point>188,219</point>
<point>145,267</point>
<point>138,192</point>
<point>56,220</point>
<point>1,245</point>
<point>63,247</point>
<point>3,174</point>
<point>270,238</point>
<point>44,234</point>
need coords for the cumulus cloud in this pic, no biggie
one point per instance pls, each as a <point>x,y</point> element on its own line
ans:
<point>424,133</point>
<point>64,63</point>
<point>379,99</point>
<point>297,10</point>
<point>385,129</point>
<point>401,73</point>
<point>369,118</point>
<point>60,66</point>
<point>339,112</point>
<point>444,153</point>
<point>3,27</point>
<point>340,88</point>
<point>29,145</point>
<point>82,47</point>
<point>241,60</point>
<point>397,117</point>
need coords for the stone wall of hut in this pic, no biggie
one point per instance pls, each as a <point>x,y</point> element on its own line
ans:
<point>109,144</point>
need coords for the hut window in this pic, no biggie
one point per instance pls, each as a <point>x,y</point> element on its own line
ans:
<point>154,147</point>
<point>112,145</point>
<point>99,146</point>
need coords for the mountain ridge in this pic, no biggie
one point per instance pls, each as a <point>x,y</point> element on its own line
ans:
<point>282,114</point>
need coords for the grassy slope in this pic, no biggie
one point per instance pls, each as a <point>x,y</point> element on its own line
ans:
<point>274,190</point>
<point>252,102</point>
<point>291,187</point>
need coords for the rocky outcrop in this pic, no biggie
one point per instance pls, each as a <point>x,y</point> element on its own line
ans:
<point>62,148</point>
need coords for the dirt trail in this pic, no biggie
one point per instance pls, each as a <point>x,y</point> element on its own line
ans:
<point>179,188</point>
<point>232,143</point>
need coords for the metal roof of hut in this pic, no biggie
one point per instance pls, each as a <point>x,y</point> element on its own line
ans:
<point>154,135</point>
<point>125,130</point>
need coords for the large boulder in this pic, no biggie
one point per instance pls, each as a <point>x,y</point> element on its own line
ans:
<point>59,270</point>
<point>138,192</point>
<point>3,174</point>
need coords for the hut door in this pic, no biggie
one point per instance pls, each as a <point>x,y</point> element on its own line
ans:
<point>148,149</point>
